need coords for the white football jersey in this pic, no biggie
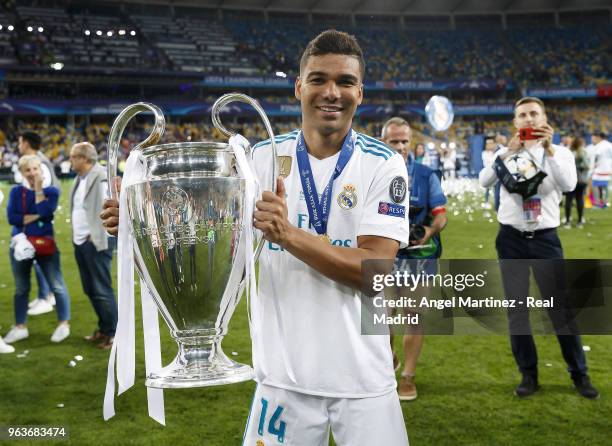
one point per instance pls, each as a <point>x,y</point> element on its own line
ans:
<point>309,325</point>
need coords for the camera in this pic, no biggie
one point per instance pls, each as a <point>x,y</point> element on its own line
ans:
<point>527,134</point>
<point>417,232</point>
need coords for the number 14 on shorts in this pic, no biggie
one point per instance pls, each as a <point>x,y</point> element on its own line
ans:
<point>275,425</point>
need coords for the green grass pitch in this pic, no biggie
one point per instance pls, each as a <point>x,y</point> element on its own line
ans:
<point>465,383</point>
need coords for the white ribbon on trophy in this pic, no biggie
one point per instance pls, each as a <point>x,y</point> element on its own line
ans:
<point>123,351</point>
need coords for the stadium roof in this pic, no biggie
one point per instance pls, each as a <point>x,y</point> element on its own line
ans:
<point>395,7</point>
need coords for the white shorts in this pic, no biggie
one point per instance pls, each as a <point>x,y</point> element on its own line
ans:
<point>283,417</point>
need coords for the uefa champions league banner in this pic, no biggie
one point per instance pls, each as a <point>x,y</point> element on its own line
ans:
<point>464,84</point>
<point>552,93</point>
<point>106,107</point>
<point>465,110</point>
<point>397,85</point>
<point>194,108</point>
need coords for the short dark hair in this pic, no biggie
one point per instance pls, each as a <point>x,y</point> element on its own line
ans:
<point>333,42</point>
<point>602,135</point>
<point>530,99</point>
<point>32,138</point>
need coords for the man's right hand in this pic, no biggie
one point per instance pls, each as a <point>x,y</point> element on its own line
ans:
<point>110,211</point>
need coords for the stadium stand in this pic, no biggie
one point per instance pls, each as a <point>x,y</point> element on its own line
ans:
<point>195,40</point>
<point>130,51</point>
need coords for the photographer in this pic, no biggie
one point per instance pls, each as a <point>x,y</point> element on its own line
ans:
<point>428,219</point>
<point>534,173</point>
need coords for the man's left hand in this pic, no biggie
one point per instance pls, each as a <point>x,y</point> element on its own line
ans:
<point>545,135</point>
<point>271,216</point>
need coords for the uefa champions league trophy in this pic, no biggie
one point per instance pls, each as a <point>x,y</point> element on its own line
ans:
<point>187,216</point>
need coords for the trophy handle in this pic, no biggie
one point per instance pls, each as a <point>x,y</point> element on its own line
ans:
<point>239,97</point>
<point>117,129</point>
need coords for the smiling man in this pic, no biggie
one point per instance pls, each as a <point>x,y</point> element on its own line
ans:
<point>342,200</point>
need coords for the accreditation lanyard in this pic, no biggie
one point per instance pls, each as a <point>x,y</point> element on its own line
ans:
<point>318,211</point>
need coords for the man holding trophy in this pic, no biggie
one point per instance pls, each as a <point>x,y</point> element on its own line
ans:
<point>341,199</point>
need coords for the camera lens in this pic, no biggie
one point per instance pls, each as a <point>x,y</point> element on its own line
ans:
<point>417,232</point>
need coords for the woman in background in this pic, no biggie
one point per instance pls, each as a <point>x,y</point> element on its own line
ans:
<point>30,211</point>
<point>582,168</point>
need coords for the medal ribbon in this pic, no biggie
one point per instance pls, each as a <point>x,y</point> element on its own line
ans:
<point>318,211</point>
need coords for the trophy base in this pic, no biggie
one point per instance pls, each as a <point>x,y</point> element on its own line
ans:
<point>193,367</point>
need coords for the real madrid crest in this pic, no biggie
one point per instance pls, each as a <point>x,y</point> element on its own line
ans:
<point>347,199</point>
<point>284,165</point>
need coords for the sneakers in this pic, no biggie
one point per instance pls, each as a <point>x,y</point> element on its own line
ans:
<point>585,388</point>
<point>50,298</point>
<point>580,224</point>
<point>527,387</point>
<point>41,306</point>
<point>61,332</point>
<point>16,334</point>
<point>5,348</point>
<point>407,389</point>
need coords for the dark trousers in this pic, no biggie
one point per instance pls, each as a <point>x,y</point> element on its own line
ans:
<point>95,271</point>
<point>578,194</point>
<point>549,276</point>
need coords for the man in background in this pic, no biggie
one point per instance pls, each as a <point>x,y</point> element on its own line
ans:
<point>602,169</point>
<point>427,212</point>
<point>528,240</point>
<point>93,249</point>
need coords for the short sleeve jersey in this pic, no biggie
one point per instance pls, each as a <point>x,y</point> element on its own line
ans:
<point>309,326</point>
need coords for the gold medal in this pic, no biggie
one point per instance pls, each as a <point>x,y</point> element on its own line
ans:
<point>325,239</point>
<point>284,165</point>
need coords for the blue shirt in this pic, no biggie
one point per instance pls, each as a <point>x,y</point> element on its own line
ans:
<point>425,195</point>
<point>425,190</point>
<point>15,210</point>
